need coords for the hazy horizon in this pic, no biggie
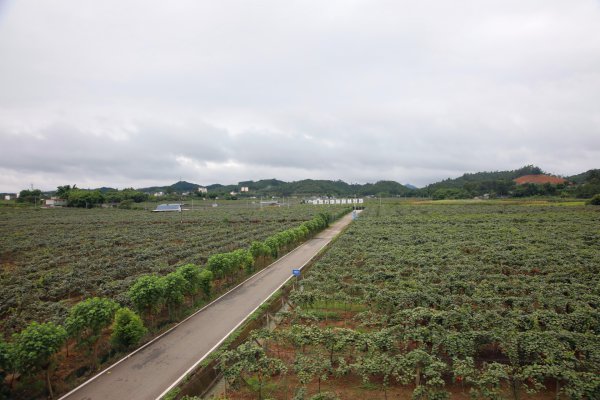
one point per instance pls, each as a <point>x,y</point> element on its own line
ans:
<point>145,93</point>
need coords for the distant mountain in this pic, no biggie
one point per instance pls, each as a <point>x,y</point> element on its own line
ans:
<point>263,184</point>
<point>384,187</point>
<point>588,183</point>
<point>179,187</point>
<point>494,183</point>
<point>309,187</point>
<point>591,176</point>
<point>306,187</point>
<point>183,186</point>
<point>479,178</point>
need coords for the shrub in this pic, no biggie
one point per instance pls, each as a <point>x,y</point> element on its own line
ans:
<point>595,201</point>
<point>206,278</point>
<point>128,329</point>
<point>148,294</point>
<point>126,204</point>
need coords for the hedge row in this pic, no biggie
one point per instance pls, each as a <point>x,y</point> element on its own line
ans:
<point>151,293</point>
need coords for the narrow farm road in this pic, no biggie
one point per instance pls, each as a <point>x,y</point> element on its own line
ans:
<point>153,370</point>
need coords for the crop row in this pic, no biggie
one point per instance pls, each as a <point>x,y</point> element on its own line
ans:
<point>50,259</point>
<point>498,300</point>
<point>34,348</point>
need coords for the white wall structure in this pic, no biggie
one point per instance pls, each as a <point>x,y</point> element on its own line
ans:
<point>334,201</point>
<point>56,202</point>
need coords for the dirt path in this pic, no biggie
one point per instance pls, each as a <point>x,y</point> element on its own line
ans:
<point>153,370</point>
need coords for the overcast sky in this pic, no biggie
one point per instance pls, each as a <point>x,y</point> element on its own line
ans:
<point>136,93</point>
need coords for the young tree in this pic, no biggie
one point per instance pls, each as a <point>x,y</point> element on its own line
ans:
<point>317,365</point>
<point>191,274</point>
<point>260,251</point>
<point>336,339</point>
<point>148,294</point>
<point>206,278</point>
<point>485,382</point>
<point>377,363</point>
<point>128,329</point>
<point>63,191</point>
<point>174,290</point>
<point>217,264</point>
<point>242,259</point>
<point>84,198</point>
<point>35,346</point>
<point>250,359</point>
<point>88,318</point>
<point>30,196</point>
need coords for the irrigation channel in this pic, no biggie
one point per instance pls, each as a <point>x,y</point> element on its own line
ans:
<point>156,368</point>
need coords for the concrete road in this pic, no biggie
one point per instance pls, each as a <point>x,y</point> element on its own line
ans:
<point>154,369</point>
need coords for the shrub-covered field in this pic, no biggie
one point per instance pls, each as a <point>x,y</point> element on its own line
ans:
<point>433,301</point>
<point>53,258</point>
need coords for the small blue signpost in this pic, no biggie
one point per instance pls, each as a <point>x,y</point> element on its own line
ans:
<point>296,272</point>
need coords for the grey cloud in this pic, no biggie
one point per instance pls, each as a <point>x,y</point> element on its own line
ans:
<point>136,91</point>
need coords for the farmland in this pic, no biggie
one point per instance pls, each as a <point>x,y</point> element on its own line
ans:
<point>51,259</point>
<point>482,300</point>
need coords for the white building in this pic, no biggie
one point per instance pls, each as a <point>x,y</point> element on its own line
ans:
<point>56,202</point>
<point>158,194</point>
<point>202,190</point>
<point>244,189</point>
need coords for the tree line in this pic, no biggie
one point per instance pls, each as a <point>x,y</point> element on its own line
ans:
<point>84,198</point>
<point>152,294</point>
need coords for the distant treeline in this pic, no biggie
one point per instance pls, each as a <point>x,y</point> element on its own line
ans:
<point>494,184</point>
<point>84,198</point>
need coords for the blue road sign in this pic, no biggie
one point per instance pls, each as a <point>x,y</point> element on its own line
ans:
<point>296,272</point>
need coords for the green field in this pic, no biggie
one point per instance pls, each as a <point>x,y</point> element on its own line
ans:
<point>52,258</point>
<point>432,300</point>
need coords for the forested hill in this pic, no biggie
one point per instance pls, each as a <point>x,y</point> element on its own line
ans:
<point>494,183</point>
<point>591,177</point>
<point>306,187</point>
<point>588,183</point>
<point>337,188</point>
<point>485,178</point>
<point>502,183</point>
